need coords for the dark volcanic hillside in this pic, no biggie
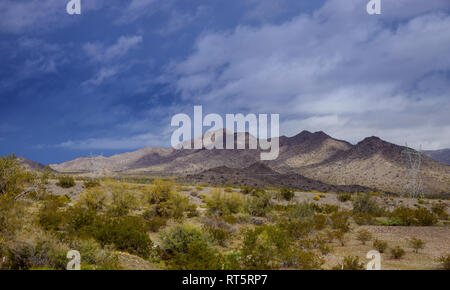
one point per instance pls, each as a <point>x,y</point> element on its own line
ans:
<point>373,163</point>
<point>260,175</point>
<point>377,163</point>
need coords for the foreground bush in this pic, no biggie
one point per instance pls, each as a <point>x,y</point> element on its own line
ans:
<point>364,204</point>
<point>350,263</point>
<point>260,204</point>
<point>380,246</point>
<point>445,261</point>
<point>12,176</point>
<point>417,217</point>
<point>127,234</point>
<point>397,253</point>
<point>187,248</point>
<point>220,203</point>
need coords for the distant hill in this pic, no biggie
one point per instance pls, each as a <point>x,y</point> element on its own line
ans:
<point>30,165</point>
<point>372,163</point>
<point>260,175</point>
<point>442,155</point>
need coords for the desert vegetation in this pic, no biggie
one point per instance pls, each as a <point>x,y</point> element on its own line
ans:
<point>165,225</point>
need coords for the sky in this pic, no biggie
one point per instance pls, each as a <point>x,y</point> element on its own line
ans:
<point>109,80</point>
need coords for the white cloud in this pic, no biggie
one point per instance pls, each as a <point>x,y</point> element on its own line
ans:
<point>101,53</point>
<point>339,67</point>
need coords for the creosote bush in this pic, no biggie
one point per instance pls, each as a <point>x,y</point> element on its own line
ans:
<point>397,252</point>
<point>343,197</point>
<point>364,204</point>
<point>187,248</point>
<point>350,263</point>
<point>287,194</point>
<point>444,260</point>
<point>416,244</point>
<point>223,203</point>
<point>363,236</point>
<point>66,181</point>
<point>380,246</point>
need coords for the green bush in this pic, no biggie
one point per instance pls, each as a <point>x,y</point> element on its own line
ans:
<point>220,204</point>
<point>440,210</point>
<point>287,194</point>
<point>350,263</point>
<point>123,201</point>
<point>187,248</point>
<point>124,233</point>
<point>155,223</point>
<point>41,251</point>
<point>93,256</point>
<point>397,253</point>
<point>380,246</point>
<point>445,261</point>
<point>343,197</point>
<point>363,236</point>
<point>259,205</point>
<point>364,204</point>
<point>301,210</point>
<point>13,177</point>
<point>92,199</point>
<point>416,244</point>
<point>66,181</point>
<point>80,221</point>
<point>340,221</point>
<point>50,218</point>
<point>417,217</point>
<point>91,182</point>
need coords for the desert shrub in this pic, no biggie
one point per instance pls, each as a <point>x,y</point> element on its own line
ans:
<point>265,247</point>
<point>319,221</point>
<point>187,248</point>
<point>287,194</point>
<point>259,205</point>
<point>340,221</point>
<point>220,204</point>
<point>155,223</point>
<point>220,232</point>
<point>93,256</point>
<point>11,213</point>
<point>123,201</point>
<point>444,260</point>
<point>92,199</point>
<point>228,189</point>
<point>363,236</point>
<point>340,236</point>
<point>305,260</point>
<point>80,221</point>
<point>40,251</point>
<point>326,208</point>
<point>440,210</point>
<point>301,210</point>
<point>124,233</point>
<point>316,197</point>
<point>343,197</point>
<point>49,217</point>
<point>364,219</point>
<point>397,252</point>
<point>232,261</point>
<point>418,217</point>
<point>297,229</point>
<point>364,204</point>
<point>350,263</point>
<point>416,244</point>
<point>425,217</point>
<point>90,183</point>
<point>66,181</point>
<point>165,202</point>
<point>380,246</point>
<point>420,201</point>
<point>13,177</point>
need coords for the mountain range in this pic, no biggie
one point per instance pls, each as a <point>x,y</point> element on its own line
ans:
<point>371,163</point>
